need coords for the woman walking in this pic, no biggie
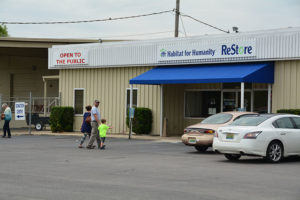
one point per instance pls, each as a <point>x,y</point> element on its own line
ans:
<point>86,125</point>
<point>6,117</point>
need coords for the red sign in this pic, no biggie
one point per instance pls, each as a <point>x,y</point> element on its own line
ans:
<point>75,57</point>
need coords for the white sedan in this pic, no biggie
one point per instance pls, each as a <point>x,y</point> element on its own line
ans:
<point>272,136</point>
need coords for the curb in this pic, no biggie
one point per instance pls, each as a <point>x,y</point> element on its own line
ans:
<point>123,136</point>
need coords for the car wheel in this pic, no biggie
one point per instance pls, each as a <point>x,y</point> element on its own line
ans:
<point>232,157</point>
<point>201,148</point>
<point>274,152</point>
<point>39,126</point>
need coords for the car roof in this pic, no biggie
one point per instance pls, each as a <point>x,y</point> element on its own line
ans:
<point>235,112</point>
<point>238,113</point>
<point>269,115</point>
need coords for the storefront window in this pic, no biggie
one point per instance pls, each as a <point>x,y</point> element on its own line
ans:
<point>78,101</point>
<point>202,103</point>
<point>134,99</point>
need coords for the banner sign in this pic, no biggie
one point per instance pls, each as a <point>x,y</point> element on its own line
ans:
<point>245,48</point>
<point>19,111</point>
<point>76,56</point>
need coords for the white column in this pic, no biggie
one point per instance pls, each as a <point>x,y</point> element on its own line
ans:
<point>130,105</point>
<point>161,110</point>
<point>45,97</point>
<point>242,95</point>
<point>131,95</point>
<point>269,97</point>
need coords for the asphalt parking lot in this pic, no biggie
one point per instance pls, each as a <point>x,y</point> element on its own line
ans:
<point>52,167</point>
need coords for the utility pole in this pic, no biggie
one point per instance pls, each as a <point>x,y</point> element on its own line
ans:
<point>177,17</point>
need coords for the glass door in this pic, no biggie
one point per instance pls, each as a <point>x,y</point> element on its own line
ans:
<point>247,100</point>
<point>231,100</point>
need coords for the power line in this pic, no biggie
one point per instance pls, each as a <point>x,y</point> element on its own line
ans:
<point>94,20</point>
<point>119,18</point>
<point>138,34</point>
<point>185,15</point>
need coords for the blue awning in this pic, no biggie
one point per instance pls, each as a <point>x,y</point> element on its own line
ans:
<point>216,73</point>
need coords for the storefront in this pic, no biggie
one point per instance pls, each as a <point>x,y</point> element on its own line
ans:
<point>182,80</point>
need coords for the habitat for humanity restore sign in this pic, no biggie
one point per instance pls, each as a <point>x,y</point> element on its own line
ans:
<point>207,51</point>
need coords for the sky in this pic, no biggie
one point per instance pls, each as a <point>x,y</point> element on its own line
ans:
<point>247,15</point>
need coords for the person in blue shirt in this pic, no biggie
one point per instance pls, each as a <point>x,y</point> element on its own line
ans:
<point>7,118</point>
<point>86,125</point>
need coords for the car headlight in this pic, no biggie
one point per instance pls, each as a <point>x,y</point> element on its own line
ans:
<point>252,135</point>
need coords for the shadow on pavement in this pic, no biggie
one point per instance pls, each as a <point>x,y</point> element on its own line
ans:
<point>258,160</point>
<point>208,152</point>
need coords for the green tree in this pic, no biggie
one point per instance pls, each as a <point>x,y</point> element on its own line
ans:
<point>3,31</point>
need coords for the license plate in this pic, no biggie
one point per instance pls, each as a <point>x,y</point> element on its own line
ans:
<point>229,136</point>
<point>192,140</point>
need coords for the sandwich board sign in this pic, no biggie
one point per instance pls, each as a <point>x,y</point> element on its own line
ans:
<point>19,111</point>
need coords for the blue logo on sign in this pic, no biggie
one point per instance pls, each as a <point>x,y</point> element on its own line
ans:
<point>163,53</point>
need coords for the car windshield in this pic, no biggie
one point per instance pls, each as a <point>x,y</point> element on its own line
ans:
<point>249,121</point>
<point>221,118</point>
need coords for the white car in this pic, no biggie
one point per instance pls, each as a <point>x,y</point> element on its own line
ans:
<point>272,136</point>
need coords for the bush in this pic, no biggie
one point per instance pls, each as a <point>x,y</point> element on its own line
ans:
<point>289,111</point>
<point>142,121</point>
<point>61,119</point>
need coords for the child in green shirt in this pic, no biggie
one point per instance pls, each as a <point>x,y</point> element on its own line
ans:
<point>102,132</point>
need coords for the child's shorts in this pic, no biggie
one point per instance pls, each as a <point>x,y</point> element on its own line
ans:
<point>102,139</point>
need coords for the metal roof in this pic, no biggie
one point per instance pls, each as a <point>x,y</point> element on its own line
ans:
<point>43,42</point>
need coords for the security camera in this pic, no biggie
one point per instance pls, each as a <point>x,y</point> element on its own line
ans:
<point>235,29</point>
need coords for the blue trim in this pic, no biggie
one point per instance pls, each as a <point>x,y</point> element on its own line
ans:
<point>217,73</point>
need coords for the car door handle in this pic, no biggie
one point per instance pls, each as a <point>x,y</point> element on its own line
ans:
<point>282,133</point>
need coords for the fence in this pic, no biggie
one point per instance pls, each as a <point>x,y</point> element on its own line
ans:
<point>39,105</point>
<point>35,108</point>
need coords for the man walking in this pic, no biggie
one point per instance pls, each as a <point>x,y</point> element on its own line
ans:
<point>7,118</point>
<point>95,122</point>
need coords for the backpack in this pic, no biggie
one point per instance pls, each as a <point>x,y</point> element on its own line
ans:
<point>88,119</point>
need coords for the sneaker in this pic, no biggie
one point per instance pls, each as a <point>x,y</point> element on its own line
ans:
<point>92,147</point>
<point>3,136</point>
<point>80,146</point>
<point>103,147</point>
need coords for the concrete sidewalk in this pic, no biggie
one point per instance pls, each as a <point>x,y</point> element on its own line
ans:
<point>79,134</point>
